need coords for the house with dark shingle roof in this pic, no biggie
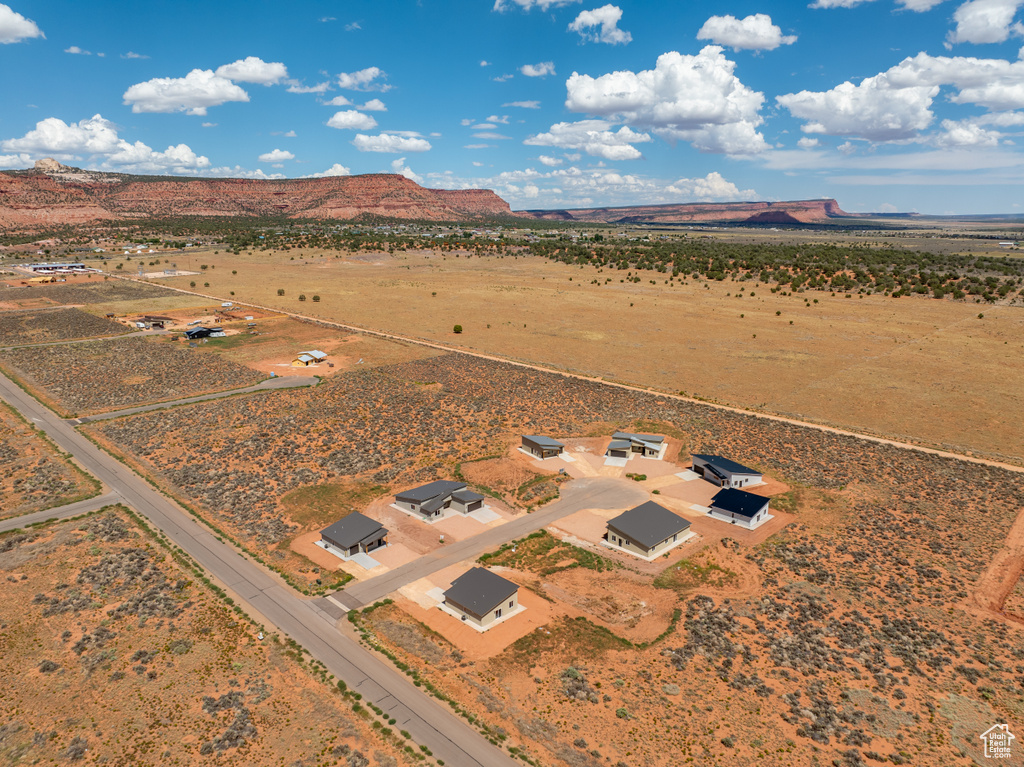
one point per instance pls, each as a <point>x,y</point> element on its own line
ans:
<point>624,444</point>
<point>430,500</point>
<point>542,447</point>
<point>354,534</point>
<point>481,597</point>
<point>647,530</point>
<point>725,473</point>
<point>740,508</point>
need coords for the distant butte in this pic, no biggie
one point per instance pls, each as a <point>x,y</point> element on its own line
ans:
<point>51,193</point>
<point>797,212</point>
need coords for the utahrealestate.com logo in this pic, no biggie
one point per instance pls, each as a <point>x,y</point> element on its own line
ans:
<point>998,739</point>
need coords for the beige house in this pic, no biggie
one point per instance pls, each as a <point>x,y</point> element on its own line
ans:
<point>481,597</point>
<point>647,530</point>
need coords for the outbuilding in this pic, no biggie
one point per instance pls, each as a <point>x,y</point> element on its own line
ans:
<point>354,534</point>
<point>542,447</point>
<point>740,508</point>
<point>725,473</point>
<point>481,597</point>
<point>647,530</point>
<point>196,333</point>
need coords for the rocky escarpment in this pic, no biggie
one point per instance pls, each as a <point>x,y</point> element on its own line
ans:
<point>798,212</point>
<point>60,195</point>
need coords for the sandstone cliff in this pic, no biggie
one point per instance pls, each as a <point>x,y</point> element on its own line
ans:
<point>59,195</point>
<point>798,212</point>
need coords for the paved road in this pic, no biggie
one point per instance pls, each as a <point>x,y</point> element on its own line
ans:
<point>60,512</point>
<point>279,382</point>
<point>586,493</point>
<point>267,598</point>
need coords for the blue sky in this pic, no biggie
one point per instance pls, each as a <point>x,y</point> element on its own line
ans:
<point>886,105</point>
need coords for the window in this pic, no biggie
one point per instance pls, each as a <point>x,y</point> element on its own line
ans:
<point>510,604</point>
<point>497,613</point>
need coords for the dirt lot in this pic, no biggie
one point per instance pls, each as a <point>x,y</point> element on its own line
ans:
<point>32,475</point>
<point>36,327</point>
<point>910,368</point>
<point>115,655</point>
<point>85,378</point>
<point>280,339</point>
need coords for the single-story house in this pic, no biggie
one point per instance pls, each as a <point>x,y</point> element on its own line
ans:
<point>542,447</point>
<point>725,473</point>
<point>740,508</point>
<point>217,333</point>
<point>625,443</point>
<point>481,596</point>
<point>309,358</point>
<point>646,530</point>
<point>354,534</point>
<point>432,499</point>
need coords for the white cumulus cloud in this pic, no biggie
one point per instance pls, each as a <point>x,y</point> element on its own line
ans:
<point>986,21</point>
<point>691,98</point>
<point>96,140</point>
<point>254,70</point>
<point>390,142</point>
<point>543,69</point>
<point>601,25</point>
<point>193,94</point>
<point>551,162</point>
<point>14,27</point>
<point>351,120</point>
<point>503,5</point>
<point>966,133</point>
<point>918,6</point>
<point>76,50</point>
<point>364,80</point>
<point>277,155</point>
<point>837,3</point>
<point>713,187</point>
<point>398,166</point>
<point>294,86</point>
<point>753,33</point>
<point>872,110</point>
<point>335,170</point>
<point>594,138</point>
<point>808,143</point>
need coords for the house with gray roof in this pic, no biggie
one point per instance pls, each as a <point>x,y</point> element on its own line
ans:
<point>481,597</point>
<point>542,447</point>
<point>354,534</point>
<point>647,530</point>
<point>625,444</point>
<point>430,500</point>
<point>725,473</point>
<point>740,508</point>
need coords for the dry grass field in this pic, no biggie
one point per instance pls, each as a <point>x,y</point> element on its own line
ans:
<point>84,378</point>
<point>37,327</point>
<point>914,369</point>
<point>95,291</point>
<point>32,474</point>
<point>114,654</point>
